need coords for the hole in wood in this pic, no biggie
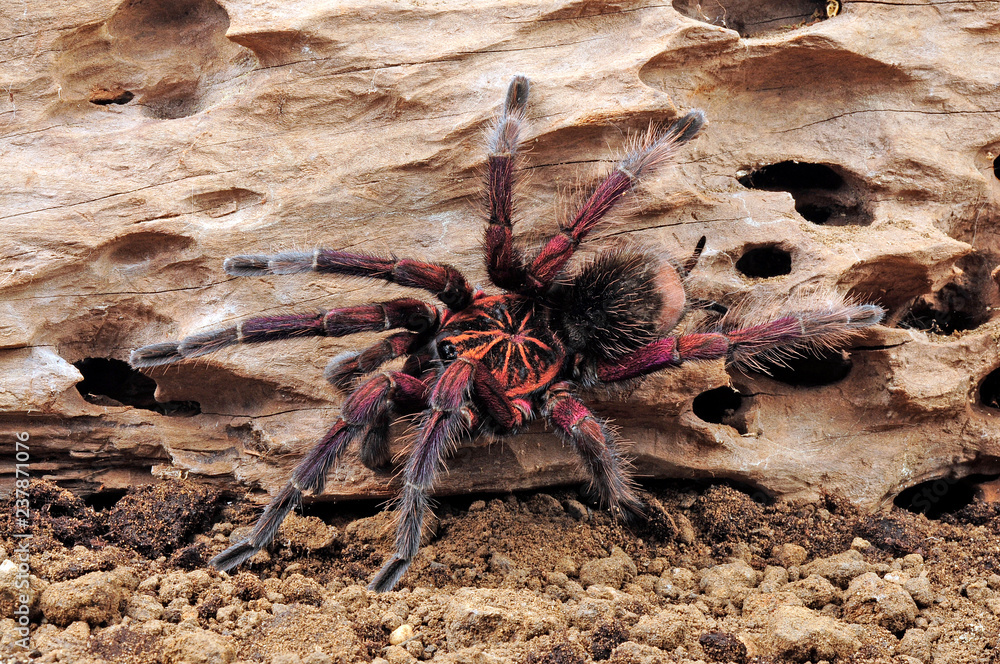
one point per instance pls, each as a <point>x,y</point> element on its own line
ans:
<point>720,406</point>
<point>810,371</point>
<point>944,495</point>
<point>989,390</point>
<point>764,262</point>
<point>822,194</point>
<point>963,304</point>
<point>104,97</point>
<point>751,18</point>
<point>111,382</point>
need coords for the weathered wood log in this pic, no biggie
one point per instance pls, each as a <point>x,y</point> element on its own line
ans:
<point>143,142</point>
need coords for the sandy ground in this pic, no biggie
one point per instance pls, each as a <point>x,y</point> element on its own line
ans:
<point>716,576</point>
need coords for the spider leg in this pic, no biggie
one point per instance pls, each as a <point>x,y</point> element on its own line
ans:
<point>346,367</point>
<point>445,281</point>
<point>595,443</point>
<point>508,413</point>
<point>409,394</point>
<point>805,330</point>
<point>655,148</point>
<point>504,262</point>
<point>404,312</point>
<point>363,408</point>
<point>447,418</point>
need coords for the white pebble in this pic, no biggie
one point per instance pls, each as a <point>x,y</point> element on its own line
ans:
<point>402,633</point>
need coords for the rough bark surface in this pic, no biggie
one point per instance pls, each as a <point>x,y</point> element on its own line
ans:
<point>144,141</point>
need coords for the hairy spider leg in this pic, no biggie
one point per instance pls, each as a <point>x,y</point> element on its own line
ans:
<point>446,420</point>
<point>504,262</point>
<point>444,281</point>
<point>405,312</point>
<point>817,329</point>
<point>596,445</point>
<point>746,347</point>
<point>655,148</point>
<point>508,413</point>
<point>344,369</point>
<point>409,394</point>
<point>363,408</point>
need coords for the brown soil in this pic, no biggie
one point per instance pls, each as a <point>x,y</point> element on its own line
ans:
<point>716,576</point>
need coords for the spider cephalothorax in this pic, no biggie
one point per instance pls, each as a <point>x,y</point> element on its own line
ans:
<point>495,361</point>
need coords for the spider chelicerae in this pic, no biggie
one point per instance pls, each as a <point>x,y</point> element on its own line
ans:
<point>491,362</point>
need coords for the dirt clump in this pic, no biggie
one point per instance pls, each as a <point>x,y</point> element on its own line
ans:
<point>494,583</point>
<point>153,520</point>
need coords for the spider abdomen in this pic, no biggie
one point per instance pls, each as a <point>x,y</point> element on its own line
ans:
<point>621,301</point>
<point>511,337</point>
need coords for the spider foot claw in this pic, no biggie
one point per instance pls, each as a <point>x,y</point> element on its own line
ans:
<point>635,512</point>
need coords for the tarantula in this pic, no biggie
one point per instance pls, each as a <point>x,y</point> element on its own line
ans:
<point>492,362</point>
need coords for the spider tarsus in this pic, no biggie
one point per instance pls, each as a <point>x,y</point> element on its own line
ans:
<point>288,262</point>
<point>390,574</point>
<point>689,125</point>
<point>263,531</point>
<point>204,343</point>
<point>516,100</point>
<point>155,355</point>
<point>505,136</point>
<point>658,146</point>
<point>634,512</point>
<point>247,266</point>
<point>234,556</point>
<point>865,315</point>
<point>343,370</point>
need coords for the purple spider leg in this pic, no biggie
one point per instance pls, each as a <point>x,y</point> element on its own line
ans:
<point>805,330</point>
<point>448,418</point>
<point>817,328</point>
<point>597,448</point>
<point>359,411</point>
<point>409,395</point>
<point>504,262</point>
<point>445,281</point>
<point>508,413</point>
<point>663,353</point>
<point>655,149</point>
<point>403,312</point>
<point>346,367</point>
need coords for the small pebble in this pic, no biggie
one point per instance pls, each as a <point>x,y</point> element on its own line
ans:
<point>860,544</point>
<point>402,633</point>
<point>576,509</point>
<point>789,555</point>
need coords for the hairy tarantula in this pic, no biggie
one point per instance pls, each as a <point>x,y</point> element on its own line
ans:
<point>492,362</point>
